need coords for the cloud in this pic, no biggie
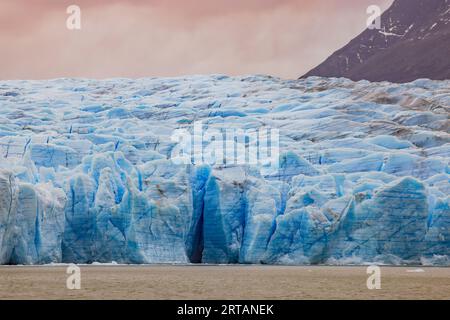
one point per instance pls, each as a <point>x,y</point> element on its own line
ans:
<point>174,37</point>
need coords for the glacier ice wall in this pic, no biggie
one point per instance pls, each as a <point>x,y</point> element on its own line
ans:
<point>86,174</point>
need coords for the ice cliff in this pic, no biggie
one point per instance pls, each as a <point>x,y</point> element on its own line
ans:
<point>87,173</point>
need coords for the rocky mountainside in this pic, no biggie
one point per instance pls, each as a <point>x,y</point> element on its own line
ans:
<point>413,43</point>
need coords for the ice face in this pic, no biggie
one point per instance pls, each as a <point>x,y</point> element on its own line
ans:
<point>32,221</point>
<point>8,210</point>
<point>87,171</point>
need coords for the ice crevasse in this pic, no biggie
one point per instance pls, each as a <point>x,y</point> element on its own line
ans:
<point>86,173</point>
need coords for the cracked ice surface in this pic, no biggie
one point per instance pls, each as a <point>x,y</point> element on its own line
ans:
<point>85,173</point>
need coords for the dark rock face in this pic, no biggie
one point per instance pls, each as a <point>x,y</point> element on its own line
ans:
<point>414,42</point>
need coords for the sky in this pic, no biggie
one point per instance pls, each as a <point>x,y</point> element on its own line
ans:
<point>149,38</point>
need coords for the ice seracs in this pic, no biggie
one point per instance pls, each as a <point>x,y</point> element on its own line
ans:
<point>31,221</point>
<point>86,173</point>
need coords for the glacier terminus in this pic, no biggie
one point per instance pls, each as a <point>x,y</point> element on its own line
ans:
<point>87,175</point>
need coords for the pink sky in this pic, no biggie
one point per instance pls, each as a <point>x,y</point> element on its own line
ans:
<point>137,38</point>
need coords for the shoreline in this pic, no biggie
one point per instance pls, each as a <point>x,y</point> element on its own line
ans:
<point>107,264</point>
<point>220,282</point>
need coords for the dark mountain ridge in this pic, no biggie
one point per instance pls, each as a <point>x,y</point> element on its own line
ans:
<point>414,42</point>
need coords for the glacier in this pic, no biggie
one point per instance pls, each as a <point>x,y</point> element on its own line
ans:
<point>87,174</point>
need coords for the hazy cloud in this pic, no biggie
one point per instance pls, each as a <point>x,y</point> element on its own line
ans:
<point>174,37</point>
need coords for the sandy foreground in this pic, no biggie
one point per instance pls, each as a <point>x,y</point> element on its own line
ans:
<point>223,282</point>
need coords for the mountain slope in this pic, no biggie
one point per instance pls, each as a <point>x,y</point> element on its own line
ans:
<point>414,42</point>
